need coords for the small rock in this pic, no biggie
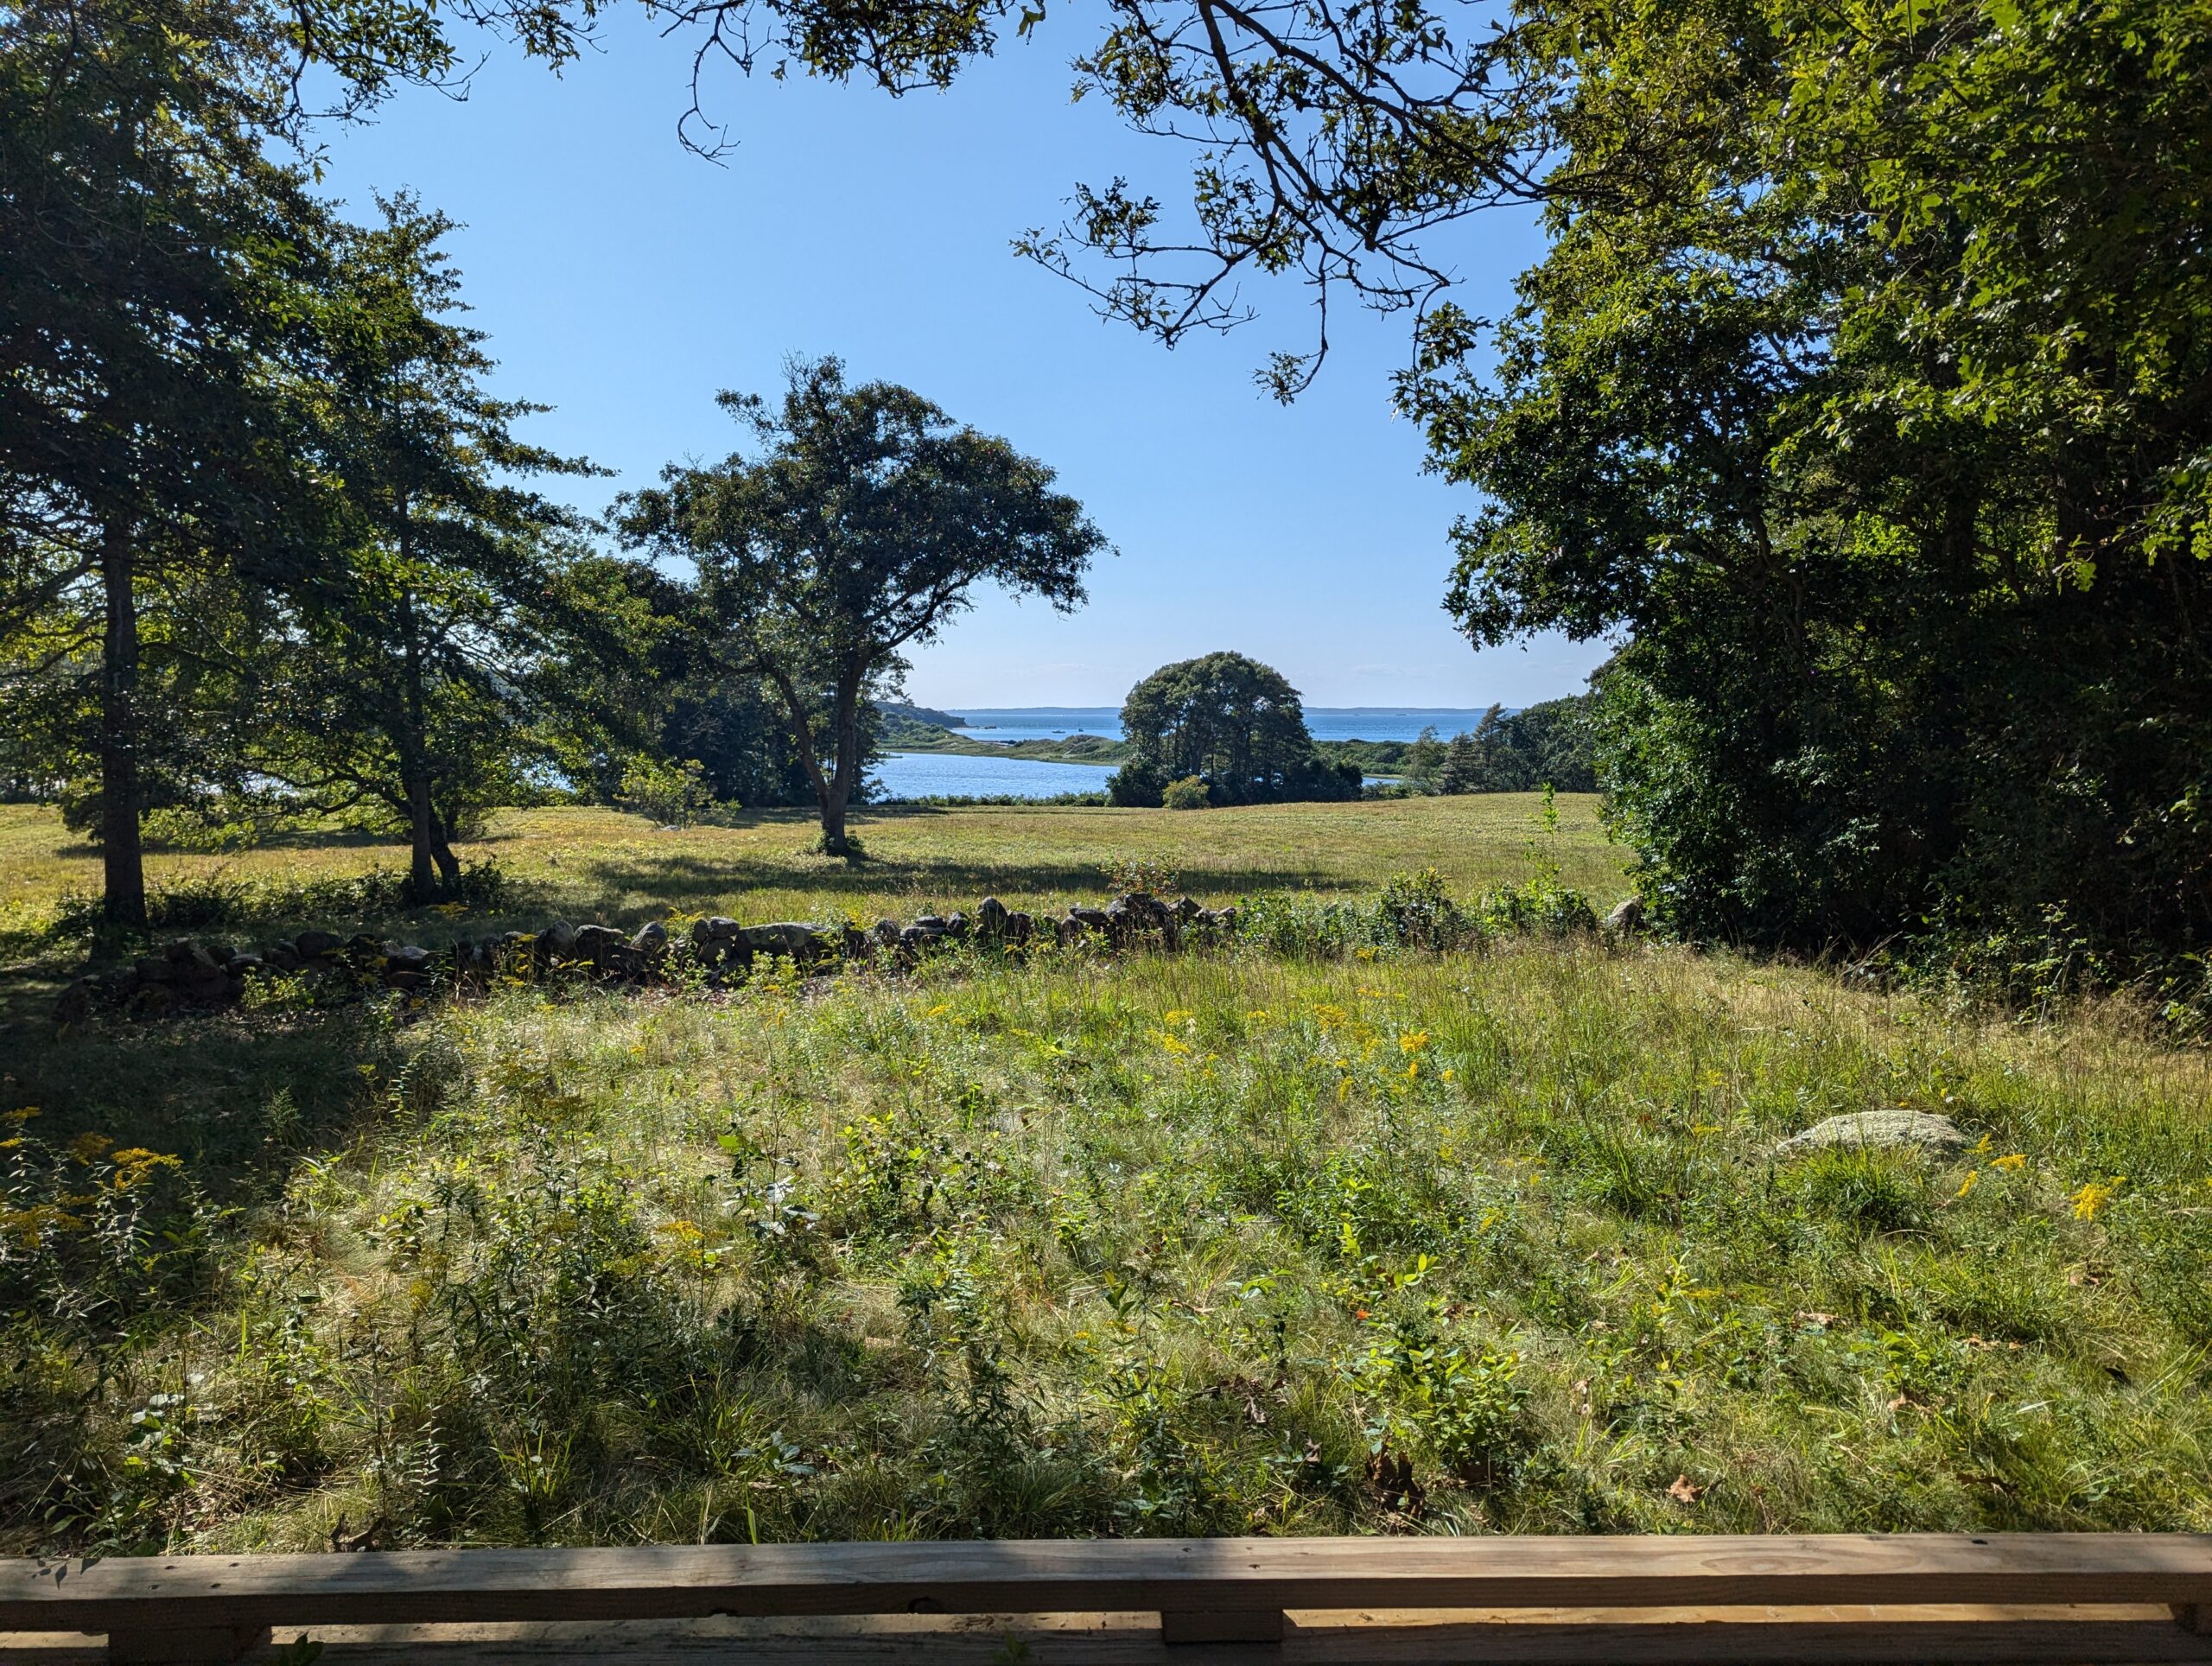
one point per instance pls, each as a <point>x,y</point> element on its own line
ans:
<point>406,957</point>
<point>1627,918</point>
<point>652,938</point>
<point>1892,1126</point>
<point>76,1005</point>
<point>313,946</point>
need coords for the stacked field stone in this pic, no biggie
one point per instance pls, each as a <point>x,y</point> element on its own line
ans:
<point>207,976</point>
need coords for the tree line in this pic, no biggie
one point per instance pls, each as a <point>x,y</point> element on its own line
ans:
<point>269,545</point>
<point>1862,396</point>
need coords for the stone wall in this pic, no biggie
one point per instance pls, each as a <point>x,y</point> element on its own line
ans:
<point>209,974</point>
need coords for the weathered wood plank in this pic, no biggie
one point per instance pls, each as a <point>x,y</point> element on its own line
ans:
<point>1015,1576</point>
<point>1814,1636</point>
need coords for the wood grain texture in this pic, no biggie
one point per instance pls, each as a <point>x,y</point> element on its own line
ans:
<point>1029,1576</point>
<point>1836,1633</point>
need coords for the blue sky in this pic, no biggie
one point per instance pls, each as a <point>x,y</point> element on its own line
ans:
<point>624,280</point>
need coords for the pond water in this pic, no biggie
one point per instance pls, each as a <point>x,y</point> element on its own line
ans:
<point>948,774</point>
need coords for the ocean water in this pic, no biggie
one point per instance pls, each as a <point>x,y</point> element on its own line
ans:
<point>908,775</point>
<point>947,774</point>
<point>1327,722</point>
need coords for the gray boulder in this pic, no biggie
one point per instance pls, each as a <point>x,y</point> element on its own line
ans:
<point>1890,1127</point>
<point>1627,918</point>
<point>797,939</point>
<point>600,944</point>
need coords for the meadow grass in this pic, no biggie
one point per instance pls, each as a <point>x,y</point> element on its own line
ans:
<point>607,865</point>
<point>1231,1242</point>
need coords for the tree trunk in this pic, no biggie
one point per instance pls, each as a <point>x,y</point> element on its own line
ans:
<point>838,791</point>
<point>414,764</point>
<point>442,851</point>
<point>122,855</point>
<point>421,875</point>
<point>831,790</point>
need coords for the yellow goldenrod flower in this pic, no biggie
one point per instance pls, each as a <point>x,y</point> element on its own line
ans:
<point>1973,1174</point>
<point>2089,1202</point>
<point>1412,1041</point>
<point>2015,1160</point>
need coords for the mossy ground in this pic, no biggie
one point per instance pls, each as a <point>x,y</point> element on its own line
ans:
<point>1223,1243</point>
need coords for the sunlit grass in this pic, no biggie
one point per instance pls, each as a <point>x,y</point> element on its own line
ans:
<point>605,864</point>
<point>1215,1243</point>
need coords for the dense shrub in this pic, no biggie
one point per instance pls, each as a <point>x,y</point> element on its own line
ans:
<point>1236,725</point>
<point>1871,420</point>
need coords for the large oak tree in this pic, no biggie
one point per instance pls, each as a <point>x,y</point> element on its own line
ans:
<point>860,528</point>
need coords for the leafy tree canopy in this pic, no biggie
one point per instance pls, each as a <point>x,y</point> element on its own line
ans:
<point>862,526</point>
<point>1230,721</point>
<point>1866,387</point>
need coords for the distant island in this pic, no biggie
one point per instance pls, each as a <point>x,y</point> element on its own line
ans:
<point>914,729</point>
<point>898,712</point>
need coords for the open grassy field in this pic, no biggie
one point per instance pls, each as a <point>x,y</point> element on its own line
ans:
<point>1235,1241</point>
<point>604,864</point>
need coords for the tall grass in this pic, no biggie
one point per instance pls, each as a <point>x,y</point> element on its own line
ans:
<point>1404,1241</point>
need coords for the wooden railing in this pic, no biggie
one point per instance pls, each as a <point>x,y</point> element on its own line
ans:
<point>1994,1597</point>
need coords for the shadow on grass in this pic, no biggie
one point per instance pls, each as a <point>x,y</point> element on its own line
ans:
<point>240,1098</point>
<point>689,882</point>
